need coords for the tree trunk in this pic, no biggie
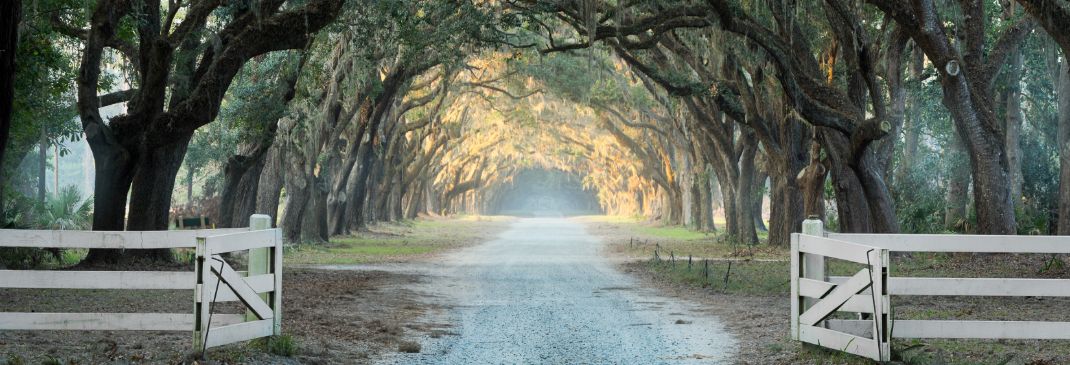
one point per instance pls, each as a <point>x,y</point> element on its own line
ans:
<point>241,179</point>
<point>189,186</point>
<point>706,199</point>
<point>297,195</point>
<point>957,186</point>
<point>10,16</point>
<point>270,186</point>
<point>151,190</point>
<point>786,211</point>
<point>728,202</point>
<point>153,184</point>
<point>696,202</point>
<point>744,200</point>
<point>111,183</point>
<point>358,189</point>
<point>912,125</point>
<point>42,168</point>
<point>759,199</point>
<point>1013,125</point>
<point>1064,154</point>
<point>315,219</point>
<point>812,180</point>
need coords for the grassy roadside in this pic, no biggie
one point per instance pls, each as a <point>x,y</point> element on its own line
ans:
<point>401,241</point>
<point>633,238</point>
<point>749,288</point>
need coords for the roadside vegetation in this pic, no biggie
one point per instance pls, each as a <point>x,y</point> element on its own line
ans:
<point>398,241</point>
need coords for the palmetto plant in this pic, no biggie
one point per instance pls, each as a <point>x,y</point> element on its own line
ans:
<point>64,210</point>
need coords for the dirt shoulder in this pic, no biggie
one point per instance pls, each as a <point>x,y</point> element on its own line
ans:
<point>334,317</point>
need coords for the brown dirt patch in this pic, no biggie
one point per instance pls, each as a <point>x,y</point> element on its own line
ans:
<point>335,317</point>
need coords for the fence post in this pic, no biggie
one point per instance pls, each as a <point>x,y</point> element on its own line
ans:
<point>805,265</point>
<point>813,266</point>
<point>260,260</point>
<point>201,298</point>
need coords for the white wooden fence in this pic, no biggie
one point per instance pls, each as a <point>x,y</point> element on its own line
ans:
<point>816,296</point>
<point>213,281</point>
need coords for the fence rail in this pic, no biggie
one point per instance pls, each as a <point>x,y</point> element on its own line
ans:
<point>259,289</point>
<point>810,283</point>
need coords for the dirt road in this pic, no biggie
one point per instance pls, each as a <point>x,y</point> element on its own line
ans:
<point>542,293</point>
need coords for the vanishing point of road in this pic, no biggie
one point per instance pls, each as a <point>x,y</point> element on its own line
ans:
<point>542,293</point>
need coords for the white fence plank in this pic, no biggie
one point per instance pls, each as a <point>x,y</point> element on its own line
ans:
<point>177,280</point>
<point>811,288</point>
<point>818,289</point>
<point>96,321</point>
<point>219,336</point>
<point>107,321</point>
<point>259,283</point>
<point>107,239</point>
<point>982,329</point>
<point>959,243</point>
<point>845,342</point>
<point>241,241</point>
<point>1022,330</point>
<point>996,287</point>
<point>842,250</point>
<point>836,298</point>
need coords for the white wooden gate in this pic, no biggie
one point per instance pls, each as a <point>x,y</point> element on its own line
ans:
<point>814,299</point>
<point>260,291</point>
<point>265,263</point>
<point>809,282</point>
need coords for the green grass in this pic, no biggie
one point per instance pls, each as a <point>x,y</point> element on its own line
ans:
<point>397,241</point>
<point>283,345</point>
<point>671,232</point>
<point>725,276</point>
<point>358,250</point>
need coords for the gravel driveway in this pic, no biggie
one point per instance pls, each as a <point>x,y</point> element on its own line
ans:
<point>542,293</point>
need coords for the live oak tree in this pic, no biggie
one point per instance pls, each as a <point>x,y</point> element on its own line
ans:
<point>966,67</point>
<point>182,69</point>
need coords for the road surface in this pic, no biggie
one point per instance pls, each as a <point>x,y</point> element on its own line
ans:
<point>542,293</point>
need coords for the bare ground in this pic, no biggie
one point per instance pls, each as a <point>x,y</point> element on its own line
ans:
<point>335,317</point>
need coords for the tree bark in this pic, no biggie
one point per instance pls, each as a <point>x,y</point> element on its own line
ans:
<point>759,200</point>
<point>241,179</point>
<point>42,168</point>
<point>912,125</point>
<point>706,198</point>
<point>1013,124</point>
<point>153,184</point>
<point>746,231</point>
<point>314,220</point>
<point>270,186</point>
<point>1064,154</point>
<point>812,180</point>
<point>10,17</point>
<point>957,186</point>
